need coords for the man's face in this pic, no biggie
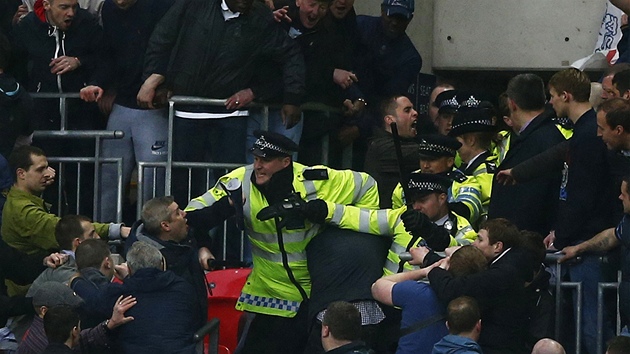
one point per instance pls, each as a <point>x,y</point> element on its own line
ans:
<point>265,167</point>
<point>558,102</point>
<point>433,109</point>
<point>482,242</point>
<point>340,8</point>
<point>444,123</point>
<point>625,197</point>
<point>311,11</point>
<point>608,90</point>
<point>35,178</point>
<point>439,165</point>
<point>612,137</point>
<point>178,223</point>
<point>395,25</point>
<point>88,231</point>
<point>432,205</point>
<point>406,118</point>
<point>60,12</point>
<point>242,6</point>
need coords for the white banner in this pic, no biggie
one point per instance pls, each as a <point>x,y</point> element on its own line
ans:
<point>605,52</point>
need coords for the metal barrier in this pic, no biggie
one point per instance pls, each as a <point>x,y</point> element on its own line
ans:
<point>190,166</point>
<point>63,133</point>
<point>97,135</point>
<point>63,98</point>
<point>552,260</point>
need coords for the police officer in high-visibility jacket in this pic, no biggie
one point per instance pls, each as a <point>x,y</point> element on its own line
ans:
<point>437,155</point>
<point>427,218</point>
<point>279,284</point>
<point>473,128</point>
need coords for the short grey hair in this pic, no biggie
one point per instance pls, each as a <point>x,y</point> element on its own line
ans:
<point>143,255</point>
<point>154,212</point>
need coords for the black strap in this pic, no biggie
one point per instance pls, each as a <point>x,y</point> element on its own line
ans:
<point>421,325</point>
<point>285,261</point>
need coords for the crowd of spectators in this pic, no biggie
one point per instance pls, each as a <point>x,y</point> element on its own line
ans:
<point>436,246</point>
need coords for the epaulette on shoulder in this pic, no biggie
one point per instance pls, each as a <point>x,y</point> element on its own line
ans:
<point>457,176</point>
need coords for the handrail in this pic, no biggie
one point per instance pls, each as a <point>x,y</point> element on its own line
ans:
<point>79,134</point>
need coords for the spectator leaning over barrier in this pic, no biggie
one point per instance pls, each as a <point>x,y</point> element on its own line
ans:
<point>586,200</point>
<point>70,231</point>
<point>27,223</point>
<point>209,49</point>
<point>380,160</point>
<point>278,288</point>
<point>127,26</point>
<point>341,330</point>
<point>463,320</point>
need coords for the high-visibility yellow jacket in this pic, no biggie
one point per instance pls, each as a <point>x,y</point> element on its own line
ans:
<point>479,177</point>
<point>268,289</point>
<point>387,222</point>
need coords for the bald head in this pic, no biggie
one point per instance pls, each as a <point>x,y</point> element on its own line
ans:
<point>548,346</point>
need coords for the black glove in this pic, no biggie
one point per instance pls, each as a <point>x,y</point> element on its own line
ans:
<point>316,211</point>
<point>416,223</point>
<point>419,225</point>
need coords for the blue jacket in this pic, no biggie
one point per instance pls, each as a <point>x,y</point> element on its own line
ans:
<point>453,344</point>
<point>164,317</point>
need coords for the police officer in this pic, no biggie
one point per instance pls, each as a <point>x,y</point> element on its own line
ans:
<point>279,284</point>
<point>426,218</point>
<point>473,128</point>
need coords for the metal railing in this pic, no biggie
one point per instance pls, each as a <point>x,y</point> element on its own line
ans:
<point>552,261</point>
<point>96,160</point>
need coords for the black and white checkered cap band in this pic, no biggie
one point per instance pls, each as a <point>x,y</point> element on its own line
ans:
<point>487,122</point>
<point>471,102</point>
<point>424,146</point>
<point>263,145</point>
<point>451,102</point>
<point>426,186</point>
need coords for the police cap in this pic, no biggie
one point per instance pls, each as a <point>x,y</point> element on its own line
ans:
<point>436,145</point>
<point>270,144</point>
<point>421,184</point>
<point>471,120</point>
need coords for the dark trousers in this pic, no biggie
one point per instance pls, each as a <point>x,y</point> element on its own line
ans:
<point>205,140</point>
<point>277,335</point>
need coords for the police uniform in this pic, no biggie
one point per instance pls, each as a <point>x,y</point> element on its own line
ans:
<point>465,193</point>
<point>387,222</point>
<point>479,172</point>
<point>279,282</point>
